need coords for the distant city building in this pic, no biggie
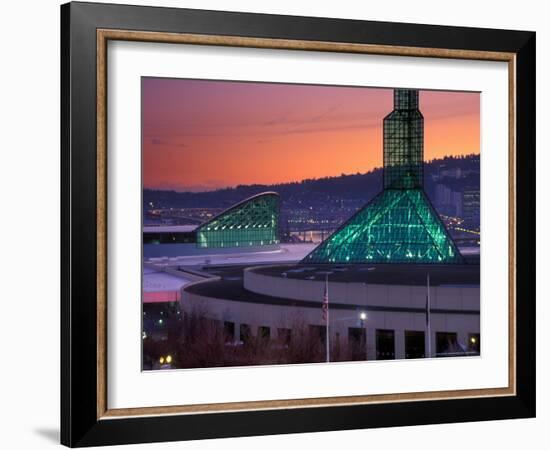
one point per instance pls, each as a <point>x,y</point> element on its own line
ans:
<point>399,225</point>
<point>471,206</point>
<point>448,201</point>
<point>455,172</point>
<point>456,201</point>
<point>442,195</point>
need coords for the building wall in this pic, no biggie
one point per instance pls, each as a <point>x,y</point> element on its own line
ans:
<point>276,316</point>
<point>175,250</point>
<point>449,297</point>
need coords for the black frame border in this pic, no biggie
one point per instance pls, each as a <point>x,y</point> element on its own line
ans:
<point>79,423</point>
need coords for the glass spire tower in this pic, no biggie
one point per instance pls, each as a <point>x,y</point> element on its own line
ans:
<point>399,225</point>
<point>404,143</point>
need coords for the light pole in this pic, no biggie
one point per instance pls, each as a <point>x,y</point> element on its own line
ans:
<point>363,319</point>
<point>428,311</point>
<point>326,314</point>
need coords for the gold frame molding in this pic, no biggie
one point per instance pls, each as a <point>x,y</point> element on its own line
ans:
<point>105,35</point>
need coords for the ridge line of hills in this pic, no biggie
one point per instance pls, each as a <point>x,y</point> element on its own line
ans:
<point>456,173</point>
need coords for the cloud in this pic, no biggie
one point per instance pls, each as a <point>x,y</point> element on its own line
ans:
<point>159,141</point>
<point>327,121</point>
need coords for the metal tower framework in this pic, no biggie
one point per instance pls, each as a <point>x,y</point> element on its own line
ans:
<point>404,143</point>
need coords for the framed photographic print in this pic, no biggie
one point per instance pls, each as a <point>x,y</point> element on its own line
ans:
<point>277,224</point>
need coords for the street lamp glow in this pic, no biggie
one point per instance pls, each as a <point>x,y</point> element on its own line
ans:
<point>363,315</point>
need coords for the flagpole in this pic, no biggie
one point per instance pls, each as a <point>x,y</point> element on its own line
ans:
<point>429,318</point>
<point>328,316</point>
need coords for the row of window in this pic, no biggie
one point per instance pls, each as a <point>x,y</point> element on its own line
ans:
<point>179,237</point>
<point>166,318</point>
<point>447,343</point>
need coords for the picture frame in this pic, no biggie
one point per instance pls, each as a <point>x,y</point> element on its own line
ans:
<point>86,418</point>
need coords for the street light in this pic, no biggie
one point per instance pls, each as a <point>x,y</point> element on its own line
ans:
<point>363,319</point>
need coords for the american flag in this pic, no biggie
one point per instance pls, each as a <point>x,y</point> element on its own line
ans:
<point>325,302</point>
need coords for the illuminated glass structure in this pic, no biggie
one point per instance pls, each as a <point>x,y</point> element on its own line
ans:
<point>252,222</point>
<point>404,143</point>
<point>399,225</point>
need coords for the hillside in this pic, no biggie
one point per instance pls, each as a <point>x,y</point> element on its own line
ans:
<point>455,173</point>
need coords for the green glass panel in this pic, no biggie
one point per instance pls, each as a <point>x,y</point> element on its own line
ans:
<point>404,143</point>
<point>397,226</point>
<point>253,222</point>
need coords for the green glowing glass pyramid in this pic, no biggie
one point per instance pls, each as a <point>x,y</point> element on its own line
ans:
<point>397,226</point>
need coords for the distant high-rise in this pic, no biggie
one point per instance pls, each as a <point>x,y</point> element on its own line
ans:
<point>448,201</point>
<point>399,225</point>
<point>471,202</point>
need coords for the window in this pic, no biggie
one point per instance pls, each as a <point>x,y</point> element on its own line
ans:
<point>319,333</point>
<point>357,343</point>
<point>169,238</point>
<point>414,344</point>
<point>284,335</point>
<point>228,331</point>
<point>244,333</point>
<point>385,344</point>
<point>447,345</point>
<point>264,333</point>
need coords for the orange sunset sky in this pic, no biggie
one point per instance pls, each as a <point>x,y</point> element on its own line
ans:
<point>202,135</point>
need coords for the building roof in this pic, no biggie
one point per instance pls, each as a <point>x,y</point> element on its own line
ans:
<point>287,253</point>
<point>156,281</point>
<point>170,229</point>
<point>239,205</point>
<point>387,274</point>
<point>161,287</point>
<point>396,226</point>
<point>230,286</point>
<point>252,222</point>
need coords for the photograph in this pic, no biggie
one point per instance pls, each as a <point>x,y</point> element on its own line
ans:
<point>301,223</point>
<point>282,223</point>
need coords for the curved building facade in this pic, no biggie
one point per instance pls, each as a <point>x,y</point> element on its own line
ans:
<point>252,222</point>
<point>250,225</point>
<point>376,312</point>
